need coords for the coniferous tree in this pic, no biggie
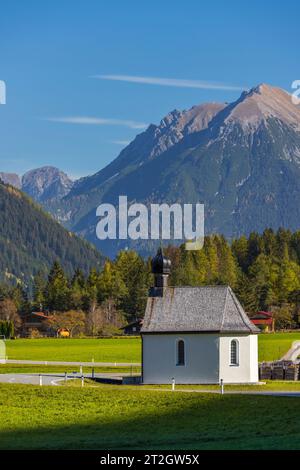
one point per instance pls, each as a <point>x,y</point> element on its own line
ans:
<point>39,286</point>
<point>77,291</point>
<point>134,276</point>
<point>57,290</point>
<point>240,250</point>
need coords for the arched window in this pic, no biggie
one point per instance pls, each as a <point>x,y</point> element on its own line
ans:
<point>234,353</point>
<point>180,353</point>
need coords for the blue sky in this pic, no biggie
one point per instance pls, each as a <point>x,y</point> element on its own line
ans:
<point>58,113</point>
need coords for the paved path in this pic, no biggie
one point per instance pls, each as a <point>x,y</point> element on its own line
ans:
<point>293,353</point>
<point>76,363</point>
<point>32,379</point>
<point>58,379</point>
<point>52,379</point>
<point>274,393</point>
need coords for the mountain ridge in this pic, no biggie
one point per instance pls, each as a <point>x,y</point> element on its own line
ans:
<point>242,160</point>
<point>247,151</point>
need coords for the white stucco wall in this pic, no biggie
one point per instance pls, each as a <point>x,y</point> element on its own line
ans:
<point>247,369</point>
<point>201,359</point>
<point>207,359</point>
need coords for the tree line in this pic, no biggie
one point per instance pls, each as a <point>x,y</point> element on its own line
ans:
<point>263,270</point>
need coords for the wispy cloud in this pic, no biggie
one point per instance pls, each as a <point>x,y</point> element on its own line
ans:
<point>171,82</point>
<point>98,121</point>
<point>121,142</point>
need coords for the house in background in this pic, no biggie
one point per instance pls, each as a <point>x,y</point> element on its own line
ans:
<point>35,321</point>
<point>63,333</point>
<point>264,321</point>
<point>133,328</point>
<point>196,335</point>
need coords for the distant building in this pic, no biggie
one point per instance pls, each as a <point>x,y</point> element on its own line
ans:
<point>196,335</point>
<point>36,321</point>
<point>133,328</point>
<point>264,321</point>
<point>63,333</point>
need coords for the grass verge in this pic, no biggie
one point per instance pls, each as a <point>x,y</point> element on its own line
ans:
<point>116,418</point>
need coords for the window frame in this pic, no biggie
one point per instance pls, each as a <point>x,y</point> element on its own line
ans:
<point>178,364</point>
<point>237,353</point>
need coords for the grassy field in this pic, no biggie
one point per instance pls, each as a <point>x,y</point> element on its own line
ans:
<point>42,369</point>
<point>120,418</point>
<point>267,386</point>
<point>271,347</point>
<point>85,350</point>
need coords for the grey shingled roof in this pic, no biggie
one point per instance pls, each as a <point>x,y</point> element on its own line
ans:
<point>191,309</point>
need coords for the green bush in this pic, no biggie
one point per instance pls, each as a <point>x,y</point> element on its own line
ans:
<point>6,328</point>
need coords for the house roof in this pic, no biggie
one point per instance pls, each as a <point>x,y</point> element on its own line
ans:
<point>195,309</point>
<point>37,314</point>
<point>262,321</point>
<point>135,323</point>
<point>262,315</point>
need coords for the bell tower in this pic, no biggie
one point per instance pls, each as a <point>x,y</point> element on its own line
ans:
<point>161,268</point>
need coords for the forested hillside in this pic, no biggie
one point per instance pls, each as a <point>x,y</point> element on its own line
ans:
<point>263,270</point>
<point>30,240</point>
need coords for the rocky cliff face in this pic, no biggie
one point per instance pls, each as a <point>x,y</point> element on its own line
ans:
<point>11,178</point>
<point>46,183</point>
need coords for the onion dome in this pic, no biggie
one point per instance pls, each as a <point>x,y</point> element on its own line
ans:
<point>160,264</point>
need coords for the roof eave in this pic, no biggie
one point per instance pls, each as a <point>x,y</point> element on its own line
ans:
<point>232,332</point>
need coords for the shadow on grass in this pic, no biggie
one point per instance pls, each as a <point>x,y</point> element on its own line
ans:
<point>153,420</point>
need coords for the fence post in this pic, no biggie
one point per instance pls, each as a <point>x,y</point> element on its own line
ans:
<point>82,380</point>
<point>65,376</point>
<point>222,386</point>
<point>41,380</point>
<point>173,384</point>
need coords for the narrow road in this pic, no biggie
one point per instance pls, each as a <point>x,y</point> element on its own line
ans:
<point>52,379</point>
<point>58,379</point>
<point>293,353</point>
<point>74,363</point>
<point>32,379</point>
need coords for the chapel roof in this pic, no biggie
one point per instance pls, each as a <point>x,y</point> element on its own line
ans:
<point>195,309</point>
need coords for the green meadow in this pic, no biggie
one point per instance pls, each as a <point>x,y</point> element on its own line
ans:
<point>271,347</point>
<point>102,416</point>
<point>85,350</point>
<point>122,418</point>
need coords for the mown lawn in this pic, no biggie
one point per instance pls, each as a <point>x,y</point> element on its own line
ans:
<point>98,418</point>
<point>85,350</point>
<point>271,347</point>
<point>266,386</point>
<point>274,345</point>
<point>43,369</point>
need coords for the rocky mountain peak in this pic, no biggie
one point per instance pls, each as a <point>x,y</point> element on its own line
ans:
<point>11,178</point>
<point>263,102</point>
<point>46,183</point>
<point>177,124</point>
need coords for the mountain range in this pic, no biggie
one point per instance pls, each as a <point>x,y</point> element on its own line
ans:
<point>43,184</point>
<point>242,160</point>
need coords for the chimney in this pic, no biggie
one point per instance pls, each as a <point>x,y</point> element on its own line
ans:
<point>161,268</point>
